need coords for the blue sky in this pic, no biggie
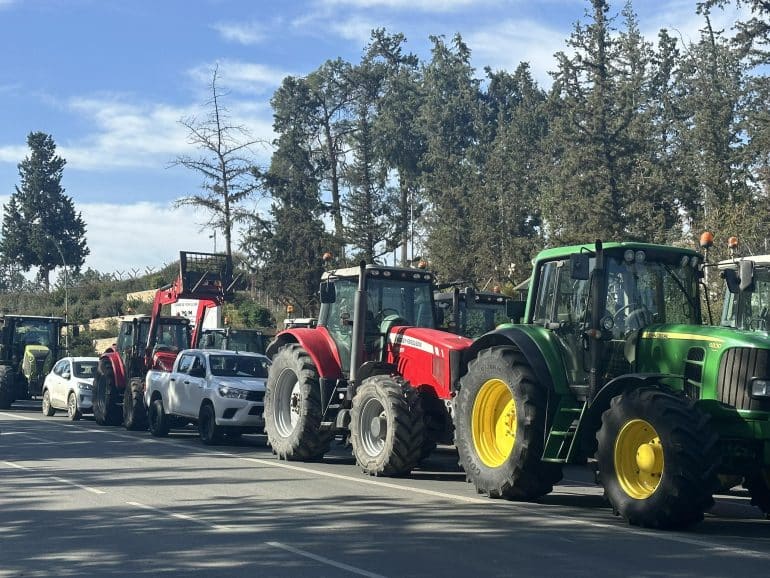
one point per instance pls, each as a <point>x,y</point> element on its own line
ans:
<point>110,79</point>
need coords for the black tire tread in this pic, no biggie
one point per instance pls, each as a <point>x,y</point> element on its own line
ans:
<point>6,387</point>
<point>134,412</point>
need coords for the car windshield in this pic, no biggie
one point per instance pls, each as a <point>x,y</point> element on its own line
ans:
<point>84,369</point>
<point>239,366</point>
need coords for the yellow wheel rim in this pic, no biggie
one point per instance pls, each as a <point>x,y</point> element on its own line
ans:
<point>638,459</point>
<point>494,423</point>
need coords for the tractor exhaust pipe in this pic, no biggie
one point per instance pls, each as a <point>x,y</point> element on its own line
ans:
<point>360,307</point>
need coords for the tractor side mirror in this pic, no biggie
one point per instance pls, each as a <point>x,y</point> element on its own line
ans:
<point>470,297</point>
<point>731,280</point>
<point>515,310</point>
<point>747,275</point>
<point>579,265</point>
<point>328,292</point>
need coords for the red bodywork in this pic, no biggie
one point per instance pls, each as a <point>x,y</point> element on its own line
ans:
<point>422,356</point>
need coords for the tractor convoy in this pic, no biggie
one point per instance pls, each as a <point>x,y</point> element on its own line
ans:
<point>608,364</point>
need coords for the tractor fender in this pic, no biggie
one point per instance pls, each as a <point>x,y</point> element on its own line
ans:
<point>535,343</point>
<point>318,344</point>
<point>113,358</point>
<point>592,418</point>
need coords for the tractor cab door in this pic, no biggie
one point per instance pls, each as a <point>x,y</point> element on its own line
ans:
<point>561,305</point>
<point>337,317</point>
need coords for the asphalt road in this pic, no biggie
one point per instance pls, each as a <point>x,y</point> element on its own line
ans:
<point>78,499</point>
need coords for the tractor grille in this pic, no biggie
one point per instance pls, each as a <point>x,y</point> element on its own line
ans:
<point>738,366</point>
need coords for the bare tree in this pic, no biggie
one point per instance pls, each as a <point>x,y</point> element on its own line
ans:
<point>224,165</point>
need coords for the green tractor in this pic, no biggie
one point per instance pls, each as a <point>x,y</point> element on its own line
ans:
<point>29,345</point>
<point>613,367</point>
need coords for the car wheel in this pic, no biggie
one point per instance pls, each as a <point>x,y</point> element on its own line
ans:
<point>208,429</point>
<point>73,412</point>
<point>48,409</point>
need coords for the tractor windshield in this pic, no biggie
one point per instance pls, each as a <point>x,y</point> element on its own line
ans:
<point>35,332</point>
<point>749,309</point>
<point>640,293</point>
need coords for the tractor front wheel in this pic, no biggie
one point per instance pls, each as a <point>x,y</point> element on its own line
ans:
<point>386,426</point>
<point>500,422</point>
<point>106,408</point>
<point>657,459</point>
<point>758,485</point>
<point>293,407</point>
<point>134,412</point>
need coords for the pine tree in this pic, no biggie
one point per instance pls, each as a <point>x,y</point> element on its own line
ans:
<point>40,226</point>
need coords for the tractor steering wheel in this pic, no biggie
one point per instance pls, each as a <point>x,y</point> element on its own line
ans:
<point>383,313</point>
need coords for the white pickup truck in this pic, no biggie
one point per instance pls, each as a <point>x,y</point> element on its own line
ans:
<point>222,391</point>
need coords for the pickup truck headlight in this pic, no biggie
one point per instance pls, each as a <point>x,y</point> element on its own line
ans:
<point>233,392</point>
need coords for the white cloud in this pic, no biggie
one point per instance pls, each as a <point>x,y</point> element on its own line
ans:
<point>238,76</point>
<point>504,46</point>
<point>13,153</point>
<point>6,3</point>
<point>680,19</point>
<point>356,28</point>
<point>243,33</point>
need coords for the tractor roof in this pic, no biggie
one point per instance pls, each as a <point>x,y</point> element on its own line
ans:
<point>403,273</point>
<point>146,318</point>
<point>35,317</point>
<point>759,261</point>
<point>558,252</point>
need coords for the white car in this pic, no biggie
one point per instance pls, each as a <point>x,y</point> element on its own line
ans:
<point>69,386</point>
<point>222,391</point>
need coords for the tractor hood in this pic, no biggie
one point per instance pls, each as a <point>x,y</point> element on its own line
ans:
<point>709,336</point>
<point>36,362</point>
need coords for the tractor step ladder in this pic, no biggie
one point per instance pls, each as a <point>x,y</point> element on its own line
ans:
<point>559,442</point>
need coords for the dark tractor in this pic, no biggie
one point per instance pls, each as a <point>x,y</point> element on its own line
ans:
<point>29,346</point>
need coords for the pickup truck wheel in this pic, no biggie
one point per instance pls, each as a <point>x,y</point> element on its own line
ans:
<point>73,412</point>
<point>158,420</point>
<point>208,429</point>
<point>48,409</point>
<point>134,413</point>
<point>293,407</point>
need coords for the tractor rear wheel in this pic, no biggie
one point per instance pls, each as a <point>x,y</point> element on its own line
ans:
<point>386,426</point>
<point>657,459</point>
<point>6,387</point>
<point>134,412</point>
<point>293,407</point>
<point>500,422</point>
<point>758,485</point>
<point>106,408</point>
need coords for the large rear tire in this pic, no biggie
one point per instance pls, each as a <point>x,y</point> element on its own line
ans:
<point>134,412</point>
<point>386,426</point>
<point>657,459</point>
<point>293,407</point>
<point>6,387</point>
<point>500,427</point>
<point>106,408</point>
<point>758,485</point>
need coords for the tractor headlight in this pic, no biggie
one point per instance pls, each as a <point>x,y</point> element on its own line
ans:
<point>233,392</point>
<point>608,323</point>
<point>760,388</point>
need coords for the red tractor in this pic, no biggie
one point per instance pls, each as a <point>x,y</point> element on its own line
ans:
<point>152,342</point>
<point>374,369</point>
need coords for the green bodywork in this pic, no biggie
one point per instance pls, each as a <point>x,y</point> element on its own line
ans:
<point>637,323</point>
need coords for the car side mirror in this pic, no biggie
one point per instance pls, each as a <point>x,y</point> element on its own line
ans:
<point>197,372</point>
<point>579,265</point>
<point>66,375</point>
<point>328,292</point>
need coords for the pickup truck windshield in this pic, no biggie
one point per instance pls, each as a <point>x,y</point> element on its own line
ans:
<point>238,366</point>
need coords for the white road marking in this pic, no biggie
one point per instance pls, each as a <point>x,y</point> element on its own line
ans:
<point>19,416</point>
<point>280,545</point>
<point>323,560</point>
<point>56,478</point>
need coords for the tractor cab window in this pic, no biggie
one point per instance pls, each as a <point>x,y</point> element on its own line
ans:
<point>174,336</point>
<point>34,332</point>
<point>560,298</point>
<point>337,317</point>
<point>401,302</point>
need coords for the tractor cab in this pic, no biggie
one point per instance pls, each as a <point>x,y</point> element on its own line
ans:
<point>394,297</point>
<point>174,334</point>
<point>471,313</point>
<point>597,302</point>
